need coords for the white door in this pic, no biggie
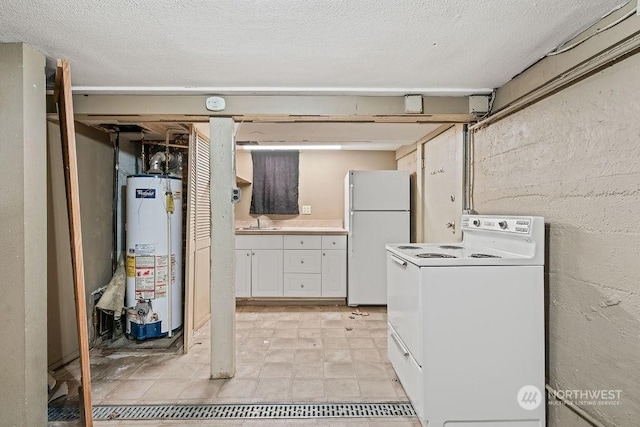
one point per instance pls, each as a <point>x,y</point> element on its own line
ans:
<point>442,187</point>
<point>379,190</point>
<point>266,273</point>
<point>243,273</point>
<point>334,273</point>
<point>198,256</point>
<point>370,232</point>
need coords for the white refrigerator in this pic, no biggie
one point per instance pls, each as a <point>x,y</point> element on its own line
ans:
<point>376,213</point>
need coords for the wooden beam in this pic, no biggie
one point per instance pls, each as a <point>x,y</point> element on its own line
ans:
<point>276,108</point>
<point>70,161</point>
<point>396,118</point>
<point>406,150</point>
<point>598,51</point>
<point>96,119</point>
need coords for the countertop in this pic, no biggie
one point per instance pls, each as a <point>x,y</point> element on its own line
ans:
<point>332,231</point>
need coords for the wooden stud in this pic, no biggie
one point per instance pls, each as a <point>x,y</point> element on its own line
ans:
<point>70,161</point>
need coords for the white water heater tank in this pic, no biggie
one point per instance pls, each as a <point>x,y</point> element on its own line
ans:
<point>150,231</point>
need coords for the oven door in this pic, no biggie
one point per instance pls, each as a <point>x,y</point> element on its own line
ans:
<point>405,304</point>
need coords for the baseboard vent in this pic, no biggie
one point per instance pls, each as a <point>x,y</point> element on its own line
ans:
<point>237,411</point>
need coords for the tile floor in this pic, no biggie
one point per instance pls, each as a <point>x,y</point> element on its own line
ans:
<point>284,354</point>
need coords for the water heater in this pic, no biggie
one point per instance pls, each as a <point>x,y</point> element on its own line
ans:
<point>154,255</point>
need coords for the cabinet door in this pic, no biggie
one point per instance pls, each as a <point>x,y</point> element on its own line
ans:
<point>334,273</point>
<point>266,273</point>
<point>243,273</point>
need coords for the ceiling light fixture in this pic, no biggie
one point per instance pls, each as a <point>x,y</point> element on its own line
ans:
<point>290,147</point>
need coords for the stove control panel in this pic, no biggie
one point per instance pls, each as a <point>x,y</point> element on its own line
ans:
<point>503,224</point>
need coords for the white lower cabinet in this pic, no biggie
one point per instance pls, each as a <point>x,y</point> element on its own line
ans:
<point>266,273</point>
<point>258,272</point>
<point>334,273</point>
<point>291,266</point>
<point>243,273</point>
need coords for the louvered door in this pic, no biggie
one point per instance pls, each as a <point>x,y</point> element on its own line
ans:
<point>198,291</point>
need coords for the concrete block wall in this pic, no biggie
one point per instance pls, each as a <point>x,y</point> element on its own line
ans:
<point>574,158</point>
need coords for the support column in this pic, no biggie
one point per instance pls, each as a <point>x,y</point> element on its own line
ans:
<point>23,252</point>
<point>223,284</point>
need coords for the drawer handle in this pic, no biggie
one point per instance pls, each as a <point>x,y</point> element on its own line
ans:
<point>302,242</point>
<point>333,243</point>
<point>301,285</point>
<point>399,261</point>
<point>301,261</point>
<point>324,254</point>
<point>405,350</point>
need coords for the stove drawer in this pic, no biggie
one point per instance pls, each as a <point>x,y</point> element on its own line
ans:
<point>405,299</point>
<point>408,371</point>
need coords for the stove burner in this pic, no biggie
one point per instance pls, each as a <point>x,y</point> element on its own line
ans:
<point>408,247</point>
<point>483,256</point>
<point>435,255</point>
<point>450,247</point>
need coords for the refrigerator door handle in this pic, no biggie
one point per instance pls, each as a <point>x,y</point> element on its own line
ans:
<point>351,234</point>
<point>351,196</point>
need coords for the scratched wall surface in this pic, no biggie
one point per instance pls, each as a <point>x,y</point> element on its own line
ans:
<point>574,158</point>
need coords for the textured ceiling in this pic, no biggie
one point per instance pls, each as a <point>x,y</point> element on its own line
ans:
<point>278,46</point>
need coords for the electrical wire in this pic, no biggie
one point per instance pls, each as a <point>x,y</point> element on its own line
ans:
<point>600,30</point>
<point>492,99</point>
<point>235,135</point>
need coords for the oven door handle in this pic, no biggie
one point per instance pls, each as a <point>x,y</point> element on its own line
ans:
<point>405,350</point>
<point>399,261</point>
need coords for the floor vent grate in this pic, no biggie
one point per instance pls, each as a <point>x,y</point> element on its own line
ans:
<point>237,411</point>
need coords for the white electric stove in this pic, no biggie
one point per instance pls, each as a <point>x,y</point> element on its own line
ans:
<point>466,324</point>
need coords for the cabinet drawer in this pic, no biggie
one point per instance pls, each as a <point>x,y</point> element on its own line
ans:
<point>334,242</point>
<point>259,242</point>
<point>304,285</point>
<point>302,242</point>
<point>302,262</point>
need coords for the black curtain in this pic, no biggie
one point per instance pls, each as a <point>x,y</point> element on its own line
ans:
<point>275,182</point>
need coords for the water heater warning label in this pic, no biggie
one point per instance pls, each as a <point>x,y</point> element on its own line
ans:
<point>145,274</point>
<point>145,250</point>
<point>162,269</point>
<point>150,271</point>
<point>131,266</point>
